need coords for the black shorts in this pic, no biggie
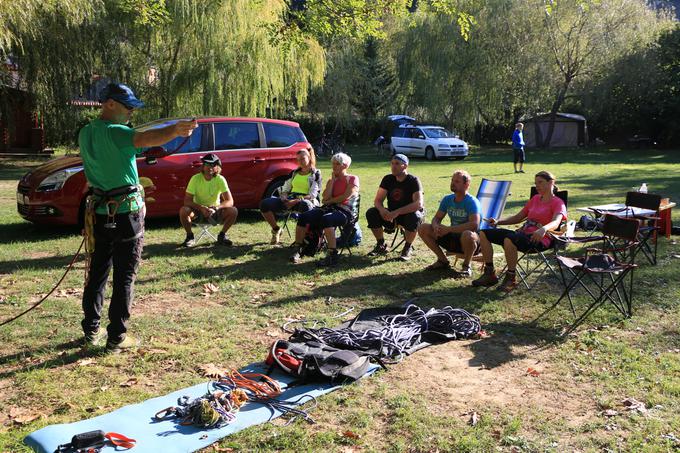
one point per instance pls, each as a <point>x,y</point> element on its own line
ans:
<point>521,240</point>
<point>410,221</point>
<point>451,242</point>
<point>518,155</point>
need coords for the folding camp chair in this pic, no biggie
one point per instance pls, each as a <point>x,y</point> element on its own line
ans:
<point>538,262</point>
<point>648,231</point>
<point>492,195</point>
<point>347,231</point>
<point>599,268</point>
<point>204,226</point>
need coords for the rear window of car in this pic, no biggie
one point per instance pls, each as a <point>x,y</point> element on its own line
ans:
<point>398,132</point>
<point>281,136</point>
<point>236,136</point>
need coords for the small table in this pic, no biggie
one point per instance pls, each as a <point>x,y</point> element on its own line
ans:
<point>620,209</point>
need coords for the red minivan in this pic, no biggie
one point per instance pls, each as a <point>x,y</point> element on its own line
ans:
<point>257,155</point>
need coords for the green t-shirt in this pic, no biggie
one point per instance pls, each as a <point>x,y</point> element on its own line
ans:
<point>207,193</point>
<point>109,158</point>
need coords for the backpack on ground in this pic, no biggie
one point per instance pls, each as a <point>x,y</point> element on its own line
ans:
<point>351,236</point>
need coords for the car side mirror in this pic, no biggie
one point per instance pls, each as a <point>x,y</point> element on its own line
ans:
<point>421,136</point>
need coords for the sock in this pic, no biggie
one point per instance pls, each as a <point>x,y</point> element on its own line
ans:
<point>381,241</point>
<point>488,267</point>
<point>332,251</point>
<point>407,245</point>
<point>276,228</point>
<point>190,235</point>
<point>511,274</point>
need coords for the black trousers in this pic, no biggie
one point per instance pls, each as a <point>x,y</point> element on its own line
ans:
<point>409,221</point>
<point>120,248</point>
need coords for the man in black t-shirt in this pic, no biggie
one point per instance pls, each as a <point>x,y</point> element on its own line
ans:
<point>404,195</point>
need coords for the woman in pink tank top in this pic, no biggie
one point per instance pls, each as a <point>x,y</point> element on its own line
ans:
<point>339,197</point>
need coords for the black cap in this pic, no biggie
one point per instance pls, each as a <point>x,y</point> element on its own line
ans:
<point>211,159</point>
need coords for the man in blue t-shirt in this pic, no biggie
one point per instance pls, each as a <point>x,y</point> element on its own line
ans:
<point>518,147</point>
<point>464,211</point>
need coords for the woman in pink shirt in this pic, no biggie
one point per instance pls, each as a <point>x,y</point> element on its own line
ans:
<point>543,213</point>
<point>339,200</point>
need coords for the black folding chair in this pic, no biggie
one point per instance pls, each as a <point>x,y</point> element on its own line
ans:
<point>649,230</point>
<point>600,273</point>
<point>347,231</point>
<point>535,261</point>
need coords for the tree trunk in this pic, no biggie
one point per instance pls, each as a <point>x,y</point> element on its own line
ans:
<point>555,108</point>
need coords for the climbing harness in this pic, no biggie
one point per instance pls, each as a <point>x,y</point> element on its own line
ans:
<point>94,441</point>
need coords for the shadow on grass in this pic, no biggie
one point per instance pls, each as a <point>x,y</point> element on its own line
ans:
<point>66,354</point>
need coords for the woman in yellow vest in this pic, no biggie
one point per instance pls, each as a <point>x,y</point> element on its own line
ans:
<point>299,193</point>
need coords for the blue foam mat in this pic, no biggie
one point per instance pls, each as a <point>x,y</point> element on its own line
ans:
<point>169,436</point>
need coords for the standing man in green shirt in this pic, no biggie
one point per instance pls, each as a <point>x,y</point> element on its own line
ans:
<point>109,149</point>
<point>208,197</point>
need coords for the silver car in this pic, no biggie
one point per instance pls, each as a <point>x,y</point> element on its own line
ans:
<point>432,142</point>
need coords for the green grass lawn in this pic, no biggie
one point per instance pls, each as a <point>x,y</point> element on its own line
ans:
<point>572,402</point>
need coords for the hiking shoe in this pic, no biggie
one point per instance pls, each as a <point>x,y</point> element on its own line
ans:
<point>438,265</point>
<point>509,283</point>
<point>222,239</point>
<point>331,260</point>
<point>521,171</point>
<point>406,253</point>
<point>487,279</point>
<point>276,236</point>
<point>189,241</point>
<point>466,272</point>
<point>379,249</point>
<point>296,258</point>
<point>128,343</point>
<point>92,339</point>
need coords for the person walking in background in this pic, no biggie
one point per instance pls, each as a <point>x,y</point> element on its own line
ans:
<point>518,147</point>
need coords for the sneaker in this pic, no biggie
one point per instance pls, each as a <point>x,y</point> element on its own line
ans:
<point>487,279</point>
<point>509,283</point>
<point>521,171</point>
<point>331,260</point>
<point>222,239</point>
<point>189,241</point>
<point>92,339</point>
<point>296,258</point>
<point>276,236</point>
<point>466,272</point>
<point>379,249</point>
<point>128,343</point>
<point>406,253</point>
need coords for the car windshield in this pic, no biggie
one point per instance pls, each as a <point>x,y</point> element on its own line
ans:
<point>438,133</point>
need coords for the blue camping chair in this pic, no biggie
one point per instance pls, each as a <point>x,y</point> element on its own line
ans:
<point>492,195</point>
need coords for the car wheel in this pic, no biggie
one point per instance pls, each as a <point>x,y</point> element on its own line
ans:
<point>430,154</point>
<point>274,189</point>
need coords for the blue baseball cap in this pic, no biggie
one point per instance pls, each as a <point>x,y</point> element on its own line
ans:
<point>121,93</point>
<point>401,158</point>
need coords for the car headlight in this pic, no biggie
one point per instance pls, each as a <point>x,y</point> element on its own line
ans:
<point>56,180</point>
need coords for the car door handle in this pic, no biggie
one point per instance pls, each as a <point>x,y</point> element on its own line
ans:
<point>196,163</point>
<point>258,159</point>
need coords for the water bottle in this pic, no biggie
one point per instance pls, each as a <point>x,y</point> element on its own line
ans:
<point>643,188</point>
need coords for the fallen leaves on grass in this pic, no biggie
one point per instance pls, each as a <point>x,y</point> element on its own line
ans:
<point>532,372</point>
<point>209,289</point>
<point>632,404</point>
<point>350,434</point>
<point>610,413</point>
<point>86,362</point>
<point>210,370</point>
<point>217,449</point>
<point>273,334</point>
<point>129,383</point>
<point>145,351</point>
<point>22,416</point>
<point>68,292</point>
